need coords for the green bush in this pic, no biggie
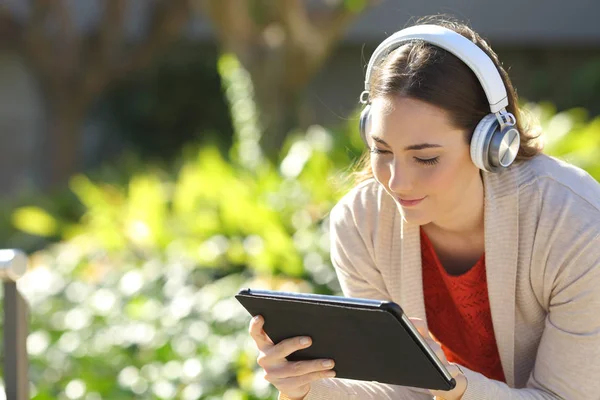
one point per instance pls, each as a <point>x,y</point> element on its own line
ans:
<point>571,136</point>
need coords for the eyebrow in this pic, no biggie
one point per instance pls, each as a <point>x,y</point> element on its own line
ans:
<point>419,146</point>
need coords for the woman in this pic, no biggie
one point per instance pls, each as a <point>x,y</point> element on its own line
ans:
<point>498,265</point>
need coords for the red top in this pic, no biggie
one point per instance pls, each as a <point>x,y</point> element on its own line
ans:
<point>458,314</point>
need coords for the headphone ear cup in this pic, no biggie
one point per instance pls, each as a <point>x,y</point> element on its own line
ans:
<point>365,123</point>
<point>480,142</point>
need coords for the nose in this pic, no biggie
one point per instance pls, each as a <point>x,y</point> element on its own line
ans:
<point>400,178</point>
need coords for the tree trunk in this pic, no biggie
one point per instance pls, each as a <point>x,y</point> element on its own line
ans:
<point>62,142</point>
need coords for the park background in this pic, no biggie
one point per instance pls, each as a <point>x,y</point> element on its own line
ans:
<point>158,155</point>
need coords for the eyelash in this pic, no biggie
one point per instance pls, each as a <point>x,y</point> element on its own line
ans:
<point>375,150</point>
<point>430,161</point>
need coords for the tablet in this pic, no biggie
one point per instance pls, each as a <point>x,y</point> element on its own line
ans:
<point>369,340</point>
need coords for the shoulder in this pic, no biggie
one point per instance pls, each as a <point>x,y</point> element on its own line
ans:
<point>559,208</point>
<point>559,183</point>
<point>560,196</point>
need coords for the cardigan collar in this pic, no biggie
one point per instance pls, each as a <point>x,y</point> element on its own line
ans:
<point>501,250</point>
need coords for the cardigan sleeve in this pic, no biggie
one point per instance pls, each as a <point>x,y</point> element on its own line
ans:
<point>352,258</point>
<point>567,365</point>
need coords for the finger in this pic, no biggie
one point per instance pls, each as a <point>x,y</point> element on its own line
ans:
<point>421,327</point>
<point>263,342</point>
<point>458,375</point>
<point>297,381</point>
<point>289,346</point>
<point>437,349</point>
<point>453,369</point>
<point>441,355</point>
<point>299,368</point>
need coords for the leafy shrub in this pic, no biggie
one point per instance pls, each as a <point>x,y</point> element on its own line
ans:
<point>571,136</point>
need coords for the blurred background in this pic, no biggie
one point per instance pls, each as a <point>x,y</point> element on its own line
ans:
<point>158,155</point>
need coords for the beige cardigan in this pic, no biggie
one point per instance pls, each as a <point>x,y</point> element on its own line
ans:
<point>542,252</point>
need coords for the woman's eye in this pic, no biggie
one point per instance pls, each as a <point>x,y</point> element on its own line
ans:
<point>428,161</point>
<point>375,150</point>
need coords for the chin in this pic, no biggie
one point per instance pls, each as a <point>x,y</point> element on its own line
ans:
<point>414,217</point>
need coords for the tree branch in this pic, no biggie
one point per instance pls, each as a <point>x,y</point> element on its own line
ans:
<point>102,51</point>
<point>235,29</point>
<point>110,59</point>
<point>36,43</point>
<point>300,30</point>
<point>330,27</point>
<point>168,21</point>
<point>9,29</point>
<point>67,41</point>
<point>111,31</point>
<point>334,26</point>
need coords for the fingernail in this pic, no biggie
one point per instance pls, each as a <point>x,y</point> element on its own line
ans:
<point>256,318</point>
<point>328,363</point>
<point>330,374</point>
<point>304,341</point>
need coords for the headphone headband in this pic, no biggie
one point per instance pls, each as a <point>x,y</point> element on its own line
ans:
<point>455,43</point>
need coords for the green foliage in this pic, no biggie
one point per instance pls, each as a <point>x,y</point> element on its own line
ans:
<point>568,78</point>
<point>35,221</point>
<point>238,88</point>
<point>571,136</point>
<point>355,6</point>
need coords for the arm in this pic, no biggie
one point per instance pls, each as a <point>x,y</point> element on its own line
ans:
<point>568,360</point>
<point>352,258</point>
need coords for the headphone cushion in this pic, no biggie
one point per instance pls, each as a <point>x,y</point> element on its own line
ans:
<point>482,136</point>
<point>365,123</point>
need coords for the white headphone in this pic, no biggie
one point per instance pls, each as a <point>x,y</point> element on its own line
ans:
<point>496,140</point>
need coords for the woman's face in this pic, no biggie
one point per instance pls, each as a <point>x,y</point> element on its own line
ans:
<point>423,161</point>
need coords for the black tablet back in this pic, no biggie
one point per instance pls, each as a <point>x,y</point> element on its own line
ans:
<point>367,343</point>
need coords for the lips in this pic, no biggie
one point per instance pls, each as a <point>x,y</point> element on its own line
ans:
<point>410,202</point>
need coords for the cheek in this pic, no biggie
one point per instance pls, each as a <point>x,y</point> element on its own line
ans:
<point>381,170</point>
<point>453,176</point>
<point>440,179</point>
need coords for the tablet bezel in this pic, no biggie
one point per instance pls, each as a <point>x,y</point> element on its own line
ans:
<point>389,306</point>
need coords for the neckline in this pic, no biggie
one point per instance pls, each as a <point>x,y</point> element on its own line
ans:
<point>472,273</point>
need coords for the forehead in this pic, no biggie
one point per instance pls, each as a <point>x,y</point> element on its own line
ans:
<point>399,118</point>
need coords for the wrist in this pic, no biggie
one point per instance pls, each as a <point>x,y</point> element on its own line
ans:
<point>461,387</point>
<point>283,396</point>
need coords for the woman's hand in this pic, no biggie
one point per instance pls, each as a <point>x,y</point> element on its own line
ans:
<point>291,378</point>
<point>453,369</point>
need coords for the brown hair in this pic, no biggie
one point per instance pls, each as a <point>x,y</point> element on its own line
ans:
<point>429,73</point>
